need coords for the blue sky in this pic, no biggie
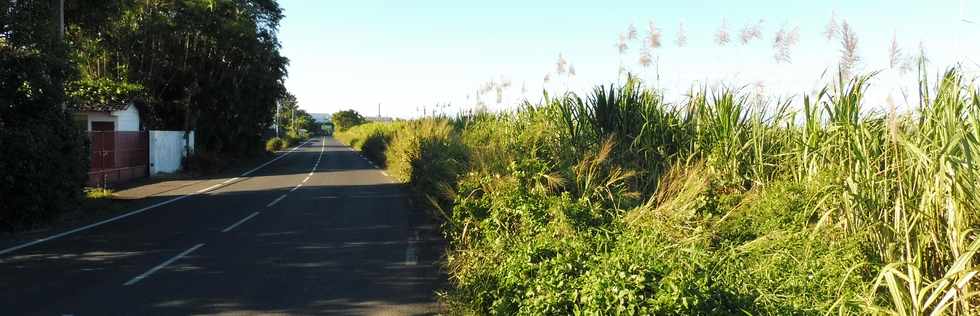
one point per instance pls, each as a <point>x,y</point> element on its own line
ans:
<point>406,55</point>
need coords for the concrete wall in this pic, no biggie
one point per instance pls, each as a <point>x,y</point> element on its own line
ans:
<point>100,117</point>
<point>167,150</point>
<point>127,120</point>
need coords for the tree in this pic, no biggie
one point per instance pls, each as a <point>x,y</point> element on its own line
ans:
<point>197,64</point>
<point>43,157</point>
<point>299,121</point>
<point>294,119</point>
<point>288,105</point>
<point>346,119</point>
<point>305,121</point>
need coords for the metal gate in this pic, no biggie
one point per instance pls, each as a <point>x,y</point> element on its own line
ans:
<point>117,157</point>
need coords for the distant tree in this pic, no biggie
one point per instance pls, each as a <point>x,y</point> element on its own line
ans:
<point>288,105</point>
<point>311,125</point>
<point>346,119</point>
<point>300,121</point>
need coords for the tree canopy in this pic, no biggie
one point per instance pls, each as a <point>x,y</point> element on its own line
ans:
<point>343,120</point>
<point>43,157</point>
<point>213,66</point>
<point>209,65</point>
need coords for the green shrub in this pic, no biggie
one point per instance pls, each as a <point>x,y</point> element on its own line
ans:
<point>292,139</point>
<point>619,203</point>
<point>275,144</point>
<point>372,139</point>
<point>290,142</point>
<point>429,156</point>
<point>297,136</point>
<point>784,220</point>
<point>375,147</point>
<point>516,248</point>
<point>204,162</point>
<point>426,154</point>
<point>343,120</point>
<point>45,162</point>
<point>98,193</point>
<point>44,158</point>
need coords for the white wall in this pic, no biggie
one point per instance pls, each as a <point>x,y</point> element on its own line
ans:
<point>167,150</point>
<point>127,120</point>
<point>100,117</point>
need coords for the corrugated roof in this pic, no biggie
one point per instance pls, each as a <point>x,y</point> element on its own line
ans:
<point>93,107</point>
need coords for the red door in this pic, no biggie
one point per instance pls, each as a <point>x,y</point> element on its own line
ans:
<point>103,145</point>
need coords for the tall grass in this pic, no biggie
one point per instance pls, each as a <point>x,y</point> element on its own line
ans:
<point>621,203</point>
<point>372,139</point>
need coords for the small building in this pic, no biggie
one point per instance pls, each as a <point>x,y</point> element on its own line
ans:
<point>117,140</point>
<point>121,117</point>
<point>123,149</point>
<point>382,119</point>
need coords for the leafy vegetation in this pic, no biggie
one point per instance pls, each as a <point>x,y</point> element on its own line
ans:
<point>372,139</point>
<point>622,203</point>
<point>209,66</point>
<point>298,123</point>
<point>275,144</point>
<point>43,157</point>
<point>98,193</point>
<point>343,120</point>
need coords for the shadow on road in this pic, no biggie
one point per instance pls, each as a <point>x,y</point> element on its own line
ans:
<point>328,249</point>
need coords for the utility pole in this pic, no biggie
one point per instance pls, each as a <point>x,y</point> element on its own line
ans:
<point>60,16</point>
<point>275,119</point>
<point>189,92</point>
<point>61,20</point>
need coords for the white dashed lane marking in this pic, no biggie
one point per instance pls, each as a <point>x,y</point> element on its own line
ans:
<point>239,222</point>
<point>276,200</point>
<point>86,227</point>
<point>162,265</point>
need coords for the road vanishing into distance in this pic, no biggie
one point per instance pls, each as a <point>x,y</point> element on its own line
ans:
<point>317,230</point>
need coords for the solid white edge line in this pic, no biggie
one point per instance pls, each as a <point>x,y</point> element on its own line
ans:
<point>162,265</point>
<point>209,188</point>
<point>239,222</point>
<point>25,245</point>
<point>56,236</point>
<point>276,200</point>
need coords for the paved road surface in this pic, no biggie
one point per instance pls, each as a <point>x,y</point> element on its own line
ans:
<point>318,231</point>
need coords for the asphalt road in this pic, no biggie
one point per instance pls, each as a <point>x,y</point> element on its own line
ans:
<point>320,230</point>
